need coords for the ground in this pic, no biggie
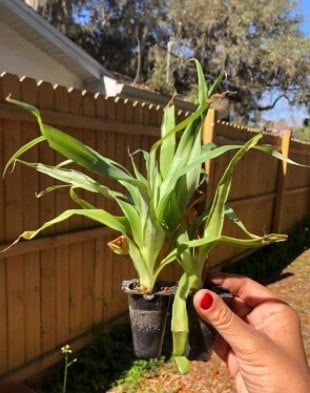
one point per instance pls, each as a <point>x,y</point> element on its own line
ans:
<point>293,286</point>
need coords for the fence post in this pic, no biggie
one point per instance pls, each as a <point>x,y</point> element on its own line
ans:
<point>281,183</point>
<point>209,136</point>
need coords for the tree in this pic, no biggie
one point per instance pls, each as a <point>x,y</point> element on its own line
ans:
<point>258,43</point>
<point>303,133</point>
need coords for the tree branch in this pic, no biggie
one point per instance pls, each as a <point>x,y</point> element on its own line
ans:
<point>271,106</point>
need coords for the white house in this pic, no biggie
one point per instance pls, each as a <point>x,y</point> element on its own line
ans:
<point>30,46</point>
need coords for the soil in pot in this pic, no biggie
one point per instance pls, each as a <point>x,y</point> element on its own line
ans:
<point>148,316</point>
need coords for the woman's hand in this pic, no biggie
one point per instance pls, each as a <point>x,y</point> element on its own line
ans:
<point>259,336</point>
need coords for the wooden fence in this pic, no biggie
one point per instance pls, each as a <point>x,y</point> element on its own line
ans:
<point>59,288</point>
<point>268,195</point>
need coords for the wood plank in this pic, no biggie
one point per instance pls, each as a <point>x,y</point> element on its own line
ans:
<point>16,313</point>
<point>62,261</point>
<point>45,243</point>
<point>88,277</point>
<point>2,165</point>
<point>48,301</point>
<point>76,251</point>
<point>42,363</point>
<point>30,185</point>
<point>12,185</point>
<point>30,180</point>
<point>32,301</point>
<point>118,266</point>
<point>4,318</point>
<point>62,199</point>
<point>88,137</point>
<point>62,295</point>
<point>99,258</point>
<point>75,106</point>
<point>2,190</point>
<point>281,183</point>
<point>47,211</point>
<point>209,135</point>
<point>75,285</point>
<point>108,300</point>
<point>63,120</point>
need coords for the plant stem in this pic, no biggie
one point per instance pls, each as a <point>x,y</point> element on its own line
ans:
<point>64,386</point>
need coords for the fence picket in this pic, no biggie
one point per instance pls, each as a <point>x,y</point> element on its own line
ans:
<point>58,287</point>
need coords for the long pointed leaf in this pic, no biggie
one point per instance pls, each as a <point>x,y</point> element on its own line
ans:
<point>75,150</point>
<point>75,178</point>
<point>99,215</point>
<point>21,151</point>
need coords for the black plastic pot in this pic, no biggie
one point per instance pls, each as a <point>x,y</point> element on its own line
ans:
<point>201,335</point>
<point>148,316</point>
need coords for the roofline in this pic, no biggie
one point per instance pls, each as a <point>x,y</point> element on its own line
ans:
<point>49,32</point>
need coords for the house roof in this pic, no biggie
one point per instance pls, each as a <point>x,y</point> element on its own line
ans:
<point>96,78</point>
<point>24,20</point>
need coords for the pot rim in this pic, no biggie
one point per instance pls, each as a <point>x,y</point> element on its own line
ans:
<point>161,288</point>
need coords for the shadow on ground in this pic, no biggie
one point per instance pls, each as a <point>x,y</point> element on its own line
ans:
<point>111,355</point>
<point>266,264</point>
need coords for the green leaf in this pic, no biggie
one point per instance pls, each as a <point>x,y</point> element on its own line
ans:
<point>182,364</point>
<point>179,321</point>
<point>79,201</point>
<point>214,224</point>
<point>246,243</point>
<point>75,150</point>
<point>75,178</point>
<point>146,275</point>
<point>276,154</point>
<point>21,151</point>
<point>167,148</point>
<point>230,213</point>
<point>203,93</point>
<point>134,220</point>
<point>114,222</point>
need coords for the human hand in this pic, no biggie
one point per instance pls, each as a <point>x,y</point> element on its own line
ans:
<point>259,336</point>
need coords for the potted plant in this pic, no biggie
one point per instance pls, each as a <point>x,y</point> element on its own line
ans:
<point>159,222</point>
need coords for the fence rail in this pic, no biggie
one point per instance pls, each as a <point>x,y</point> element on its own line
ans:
<point>60,287</point>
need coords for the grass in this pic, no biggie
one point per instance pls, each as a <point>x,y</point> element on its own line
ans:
<point>110,361</point>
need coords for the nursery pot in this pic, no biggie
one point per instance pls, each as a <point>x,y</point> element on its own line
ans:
<point>148,316</point>
<point>201,334</point>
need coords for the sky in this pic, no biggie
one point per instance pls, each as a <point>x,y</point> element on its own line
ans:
<point>282,110</point>
<point>304,6</point>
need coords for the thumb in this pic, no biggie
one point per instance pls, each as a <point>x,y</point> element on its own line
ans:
<point>212,309</point>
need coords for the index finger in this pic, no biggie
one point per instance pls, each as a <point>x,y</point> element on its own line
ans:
<point>250,291</point>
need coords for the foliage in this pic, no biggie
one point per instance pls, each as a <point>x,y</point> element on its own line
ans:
<point>97,367</point>
<point>110,361</point>
<point>159,221</point>
<point>269,261</point>
<point>303,133</point>
<point>153,206</point>
<point>67,353</point>
<point>130,379</point>
<point>258,44</point>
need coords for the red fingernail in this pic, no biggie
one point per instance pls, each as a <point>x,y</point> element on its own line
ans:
<point>206,301</point>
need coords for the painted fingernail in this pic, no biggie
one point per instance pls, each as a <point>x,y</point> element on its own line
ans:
<point>206,301</point>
